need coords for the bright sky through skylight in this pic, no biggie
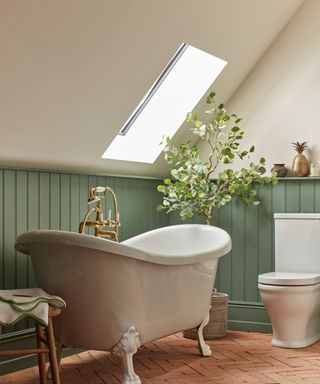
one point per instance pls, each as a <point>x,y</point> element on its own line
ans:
<point>163,115</point>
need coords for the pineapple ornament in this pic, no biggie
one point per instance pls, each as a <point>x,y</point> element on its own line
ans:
<point>300,166</point>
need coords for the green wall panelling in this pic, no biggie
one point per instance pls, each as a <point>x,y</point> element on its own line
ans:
<point>9,230</point>
<point>44,198</point>
<point>49,200</point>
<point>65,203</point>
<point>32,200</point>
<point>265,230</point>
<point>22,226</point>
<point>238,248</point>
<point>307,197</point>
<point>1,231</point>
<point>54,212</point>
<point>75,202</point>
<point>252,232</point>
<point>224,275</point>
<point>293,196</point>
<point>251,249</point>
<point>317,196</point>
<point>33,215</point>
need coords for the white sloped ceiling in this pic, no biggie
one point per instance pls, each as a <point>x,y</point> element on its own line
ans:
<point>72,72</point>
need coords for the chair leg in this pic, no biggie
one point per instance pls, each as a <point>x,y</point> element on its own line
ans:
<point>52,353</point>
<point>59,356</point>
<point>41,356</point>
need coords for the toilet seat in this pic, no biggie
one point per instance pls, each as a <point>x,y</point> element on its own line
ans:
<point>289,278</point>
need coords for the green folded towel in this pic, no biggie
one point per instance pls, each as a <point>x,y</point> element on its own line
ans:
<point>17,304</point>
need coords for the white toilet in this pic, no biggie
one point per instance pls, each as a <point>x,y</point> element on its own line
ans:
<point>291,294</point>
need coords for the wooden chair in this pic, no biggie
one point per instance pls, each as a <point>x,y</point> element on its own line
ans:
<point>45,344</point>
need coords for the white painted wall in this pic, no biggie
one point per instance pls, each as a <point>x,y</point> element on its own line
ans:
<point>72,72</point>
<point>280,99</point>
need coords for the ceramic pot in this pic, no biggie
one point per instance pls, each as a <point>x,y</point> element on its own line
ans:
<point>314,169</point>
<point>279,169</point>
<point>300,166</point>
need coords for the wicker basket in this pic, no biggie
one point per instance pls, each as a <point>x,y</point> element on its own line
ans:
<point>218,316</point>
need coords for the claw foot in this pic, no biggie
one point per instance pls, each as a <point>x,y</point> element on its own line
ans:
<point>127,347</point>
<point>204,348</point>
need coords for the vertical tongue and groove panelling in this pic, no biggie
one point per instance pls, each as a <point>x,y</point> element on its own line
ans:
<point>252,232</point>
<point>40,200</point>
<point>49,200</point>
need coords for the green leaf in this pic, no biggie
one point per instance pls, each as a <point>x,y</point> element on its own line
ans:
<point>198,123</point>
<point>243,154</point>
<point>190,191</point>
<point>262,160</point>
<point>226,151</point>
<point>159,208</point>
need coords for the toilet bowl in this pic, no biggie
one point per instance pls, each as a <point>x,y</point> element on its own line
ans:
<point>291,294</point>
<point>292,301</point>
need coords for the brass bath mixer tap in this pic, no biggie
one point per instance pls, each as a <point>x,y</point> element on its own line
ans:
<point>96,195</point>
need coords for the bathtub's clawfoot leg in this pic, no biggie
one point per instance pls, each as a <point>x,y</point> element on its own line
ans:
<point>127,347</point>
<point>204,348</point>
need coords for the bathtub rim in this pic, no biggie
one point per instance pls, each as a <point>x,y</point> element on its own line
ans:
<point>55,237</point>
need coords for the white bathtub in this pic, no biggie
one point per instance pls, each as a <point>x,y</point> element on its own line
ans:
<point>122,295</point>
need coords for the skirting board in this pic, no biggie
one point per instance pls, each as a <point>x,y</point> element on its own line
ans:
<point>246,316</point>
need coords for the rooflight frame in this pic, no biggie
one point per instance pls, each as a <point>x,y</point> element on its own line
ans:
<point>153,89</point>
<point>162,111</point>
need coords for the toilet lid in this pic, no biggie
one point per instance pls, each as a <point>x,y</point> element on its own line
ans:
<point>289,278</point>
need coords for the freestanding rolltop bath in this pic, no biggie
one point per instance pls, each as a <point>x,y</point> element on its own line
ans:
<point>122,295</point>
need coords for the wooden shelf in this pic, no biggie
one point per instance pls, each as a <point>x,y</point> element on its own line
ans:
<point>287,178</point>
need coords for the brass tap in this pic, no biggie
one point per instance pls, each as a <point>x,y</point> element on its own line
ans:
<point>95,196</point>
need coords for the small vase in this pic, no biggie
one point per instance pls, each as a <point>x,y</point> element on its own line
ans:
<point>279,169</point>
<point>314,169</point>
<point>300,165</point>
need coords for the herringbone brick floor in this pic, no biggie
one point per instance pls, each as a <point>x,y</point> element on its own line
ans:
<point>240,357</point>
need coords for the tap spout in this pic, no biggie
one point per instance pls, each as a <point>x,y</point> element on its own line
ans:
<point>96,195</point>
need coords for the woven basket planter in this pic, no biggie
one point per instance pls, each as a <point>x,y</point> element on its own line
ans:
<point>218,317</point>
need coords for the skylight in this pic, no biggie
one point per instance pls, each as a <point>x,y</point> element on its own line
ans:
<point>162,111</point>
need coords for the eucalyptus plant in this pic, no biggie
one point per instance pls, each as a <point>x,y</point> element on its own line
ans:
<point>192,189</point>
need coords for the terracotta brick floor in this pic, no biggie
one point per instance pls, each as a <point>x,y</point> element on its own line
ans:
<point>240,357</point>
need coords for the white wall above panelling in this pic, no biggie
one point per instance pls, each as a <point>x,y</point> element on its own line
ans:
<point>280,99</point>
<point>71,72</point>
